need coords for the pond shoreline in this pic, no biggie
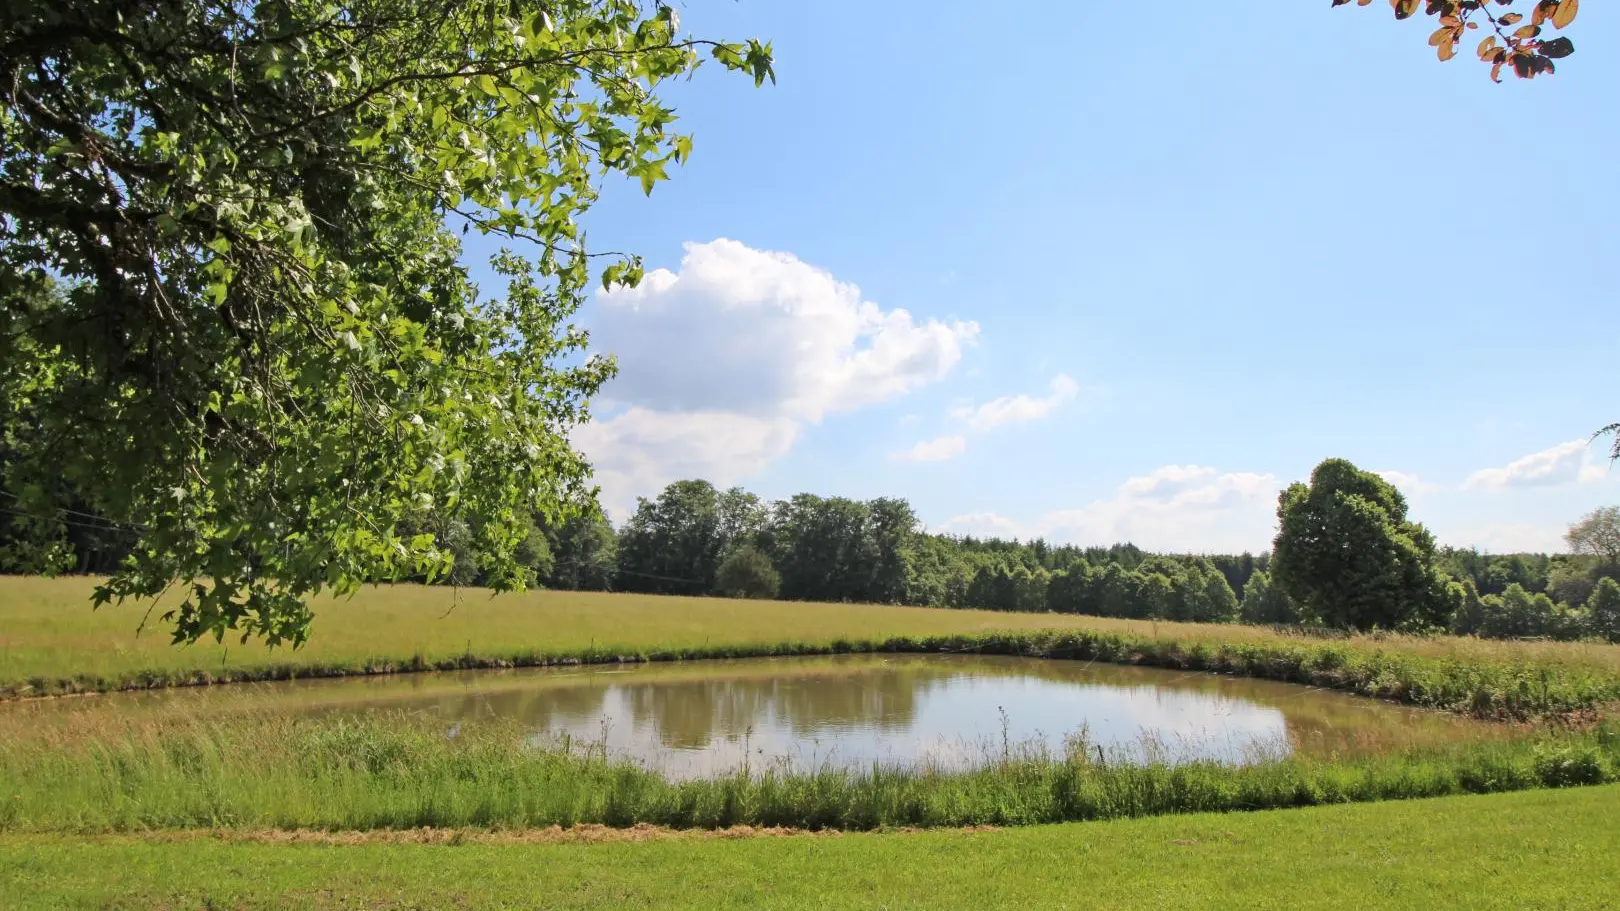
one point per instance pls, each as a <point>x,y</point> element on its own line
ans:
<point>705,719</point>
<point>381,773</point>
<point>1518,692</point>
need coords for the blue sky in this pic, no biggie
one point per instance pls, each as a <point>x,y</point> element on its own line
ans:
<point>1207,251</point>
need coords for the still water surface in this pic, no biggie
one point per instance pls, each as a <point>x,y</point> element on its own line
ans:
<point>949,711</point>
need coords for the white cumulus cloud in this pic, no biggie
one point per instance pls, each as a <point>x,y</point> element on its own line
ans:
<point>639,451</point>
<point>723,361</point>
<point>1010,409</point>
<point>1187,508</point>
<point>935,450</point>
<point>761,332</point>
<point>1566,463</point>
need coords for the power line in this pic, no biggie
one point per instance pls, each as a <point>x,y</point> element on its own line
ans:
<point>75,518</point>
<point>100,525</point>
<point>74,512</point>
<point>631,572</point>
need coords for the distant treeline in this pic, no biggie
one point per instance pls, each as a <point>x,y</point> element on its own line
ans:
<point>695,539</point>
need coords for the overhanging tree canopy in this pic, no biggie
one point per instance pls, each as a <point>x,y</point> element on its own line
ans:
<point>232,312</point>
<point>1507,40</point>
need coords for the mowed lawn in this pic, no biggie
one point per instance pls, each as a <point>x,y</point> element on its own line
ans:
<point>1541,849</point>
<point>48,630</point>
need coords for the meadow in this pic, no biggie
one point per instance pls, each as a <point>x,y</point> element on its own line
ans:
<point>127,771</point>
<point>1537,849</point>
<point>51,642</point>
<point>261,809</point>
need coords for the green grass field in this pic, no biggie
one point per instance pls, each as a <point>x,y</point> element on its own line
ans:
<point>50,640</point>
<point>102,813</point>
<point>1541,849</point>
<point>47,629</point>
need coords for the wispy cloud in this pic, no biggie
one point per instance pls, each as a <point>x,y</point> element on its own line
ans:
<point>1408,483</point>
<point>1008,409</point>
<point>935,450</point>
<point>1173,508</point>
<point>1566,463</point>
<point>1011,409</point>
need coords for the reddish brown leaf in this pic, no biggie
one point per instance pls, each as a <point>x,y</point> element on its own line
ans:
<point>1566,13</point>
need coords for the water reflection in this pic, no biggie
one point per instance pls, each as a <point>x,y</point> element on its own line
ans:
<point>690,714</point>
<point>706,718</point>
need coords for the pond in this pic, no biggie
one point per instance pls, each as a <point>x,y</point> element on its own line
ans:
<point>942,711</point>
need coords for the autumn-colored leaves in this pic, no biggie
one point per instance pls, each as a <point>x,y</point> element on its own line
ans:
<point>1522,48</point>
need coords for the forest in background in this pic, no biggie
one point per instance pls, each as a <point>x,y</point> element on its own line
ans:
<point>696,539</point>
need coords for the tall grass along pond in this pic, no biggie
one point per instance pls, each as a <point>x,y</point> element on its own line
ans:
<point>393,771</point>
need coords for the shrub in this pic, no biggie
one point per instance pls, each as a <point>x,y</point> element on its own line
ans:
<point>1564,765</point>
<point>1603,610</point>
<point>747,573</point>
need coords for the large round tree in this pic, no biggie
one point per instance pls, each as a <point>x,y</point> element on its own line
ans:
<point>1348,556</point>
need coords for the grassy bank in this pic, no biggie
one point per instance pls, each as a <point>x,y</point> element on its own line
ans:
<point>392,771</point>
<point>1542,849</point>
<point>50,642</point>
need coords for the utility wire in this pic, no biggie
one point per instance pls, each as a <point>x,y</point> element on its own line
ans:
<point>71,512</point>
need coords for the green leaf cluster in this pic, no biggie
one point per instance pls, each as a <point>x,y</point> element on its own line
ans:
<point>234,313</point>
